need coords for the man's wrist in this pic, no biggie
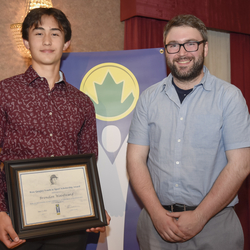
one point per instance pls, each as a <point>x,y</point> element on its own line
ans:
<point>202,215</point>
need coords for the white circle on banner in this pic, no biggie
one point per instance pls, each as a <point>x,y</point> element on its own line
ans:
<point>111,138</point>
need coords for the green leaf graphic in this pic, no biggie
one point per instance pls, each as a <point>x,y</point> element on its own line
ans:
<point>109,97</point>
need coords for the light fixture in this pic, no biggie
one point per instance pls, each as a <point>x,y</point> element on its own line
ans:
<point>17,27</point>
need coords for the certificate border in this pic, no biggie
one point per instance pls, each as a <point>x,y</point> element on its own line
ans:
<point>12,169</point>
<point>54,169</point>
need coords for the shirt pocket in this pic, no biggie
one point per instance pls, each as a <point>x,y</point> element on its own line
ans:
<point>205,131</point>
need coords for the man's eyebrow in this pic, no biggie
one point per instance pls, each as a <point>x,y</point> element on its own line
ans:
<point>38,28</point>
<point>186,41</point>
<point>56,29</point>
<point>173,41</point>
<point>41,28</point>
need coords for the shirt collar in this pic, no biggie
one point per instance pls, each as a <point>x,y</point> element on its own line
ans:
<point>31,75</point>
<point>205,81</point>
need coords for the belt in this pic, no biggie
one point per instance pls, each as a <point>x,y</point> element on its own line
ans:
<point>179,207</point>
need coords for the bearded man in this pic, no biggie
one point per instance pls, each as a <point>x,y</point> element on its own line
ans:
<point>188,150</point>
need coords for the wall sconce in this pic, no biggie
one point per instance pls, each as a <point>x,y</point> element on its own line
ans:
<point>17,27</point>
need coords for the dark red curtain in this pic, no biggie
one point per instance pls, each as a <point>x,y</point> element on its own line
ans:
<point>142,32</point>
<point>240,77</point>
<point>232,16</point>
<point>240,67</point>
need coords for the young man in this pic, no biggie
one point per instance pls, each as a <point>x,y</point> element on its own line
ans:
<point>188,150</point>
<point>41,115</point>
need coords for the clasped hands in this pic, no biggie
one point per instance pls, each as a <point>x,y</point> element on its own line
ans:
<point>178,226</point>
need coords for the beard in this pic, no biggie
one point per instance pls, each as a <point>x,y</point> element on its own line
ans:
<point>189,75</point>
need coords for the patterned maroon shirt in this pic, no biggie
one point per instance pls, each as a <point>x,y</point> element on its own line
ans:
<point>38,122</point>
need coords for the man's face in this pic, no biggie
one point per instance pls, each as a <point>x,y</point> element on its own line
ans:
<point>46,42</point>
<point>185,66</point>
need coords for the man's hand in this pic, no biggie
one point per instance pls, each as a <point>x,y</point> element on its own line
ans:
<point>166,227</point>
<point>190,223</point>
<point>100,229</point>
<point>7,234</point>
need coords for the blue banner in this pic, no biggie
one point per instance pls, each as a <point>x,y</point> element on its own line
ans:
<point>114,80</point>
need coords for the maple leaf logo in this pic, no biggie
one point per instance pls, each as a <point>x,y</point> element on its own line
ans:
<point>109,95</point>
<point>113,89</point>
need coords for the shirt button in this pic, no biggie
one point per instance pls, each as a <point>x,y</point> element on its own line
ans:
<point>52,156</point>
<point>50,113</point>
<point>41,78</point>
<point>179,140</point>
<point>181,118</point>
<point>176,185</point>
<point>48,93</point>
<point>177,162</point>
<point>51,135</point>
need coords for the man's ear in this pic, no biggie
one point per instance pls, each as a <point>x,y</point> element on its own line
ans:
<point>66,45</point>
<point>26,44</point>
<point>205,49</point>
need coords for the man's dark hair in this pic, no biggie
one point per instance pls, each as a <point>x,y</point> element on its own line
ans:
<point>34,19</point>
<point>186,20</point>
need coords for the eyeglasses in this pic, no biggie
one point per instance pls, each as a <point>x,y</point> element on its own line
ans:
<point>173,48</point>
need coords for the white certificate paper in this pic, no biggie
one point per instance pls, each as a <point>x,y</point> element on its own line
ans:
<point>55,194</point>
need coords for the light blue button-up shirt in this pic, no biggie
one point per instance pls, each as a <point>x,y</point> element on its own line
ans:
<point>188,141</point>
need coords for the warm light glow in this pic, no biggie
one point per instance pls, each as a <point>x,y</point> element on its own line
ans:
<point>17,27</point>
<point>33,4</point>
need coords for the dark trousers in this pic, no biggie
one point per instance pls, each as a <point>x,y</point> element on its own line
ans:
<point>76,241</point>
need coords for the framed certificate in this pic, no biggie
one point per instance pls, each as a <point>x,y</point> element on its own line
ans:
<point>54,195</point>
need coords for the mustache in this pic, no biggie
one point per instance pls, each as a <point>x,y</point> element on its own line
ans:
<point>181,58</point>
